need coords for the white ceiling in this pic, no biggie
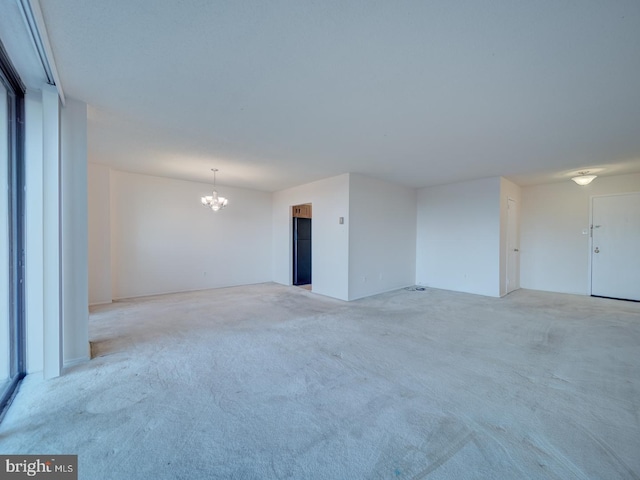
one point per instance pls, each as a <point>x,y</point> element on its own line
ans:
<point>277,94</point>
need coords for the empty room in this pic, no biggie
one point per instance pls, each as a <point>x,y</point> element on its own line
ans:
<point>320,240</point>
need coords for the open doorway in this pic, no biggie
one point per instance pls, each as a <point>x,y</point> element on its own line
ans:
<point>301,216</point>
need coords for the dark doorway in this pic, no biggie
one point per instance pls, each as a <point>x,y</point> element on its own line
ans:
<point>302,245</point>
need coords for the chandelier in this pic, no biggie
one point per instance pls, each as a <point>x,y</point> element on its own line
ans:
<point>213,201</point>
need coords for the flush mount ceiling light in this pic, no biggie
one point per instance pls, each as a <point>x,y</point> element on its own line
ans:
<point>583,178</point>
<point>213,201</point>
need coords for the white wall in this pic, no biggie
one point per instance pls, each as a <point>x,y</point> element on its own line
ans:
<point>55,232</point>
<point>99,205</point>
<point>52,233</point>
<point>73,142</point>
<point>164,240</point>
<point>330,240</point>
<point>382,236</point>
<point>554,252</point>
<point>508,190</point>
<point>34,232</point>
<point>458,237</point>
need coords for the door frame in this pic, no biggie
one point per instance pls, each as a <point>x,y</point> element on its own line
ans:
<point>506,243</point>
<point>291,216</point>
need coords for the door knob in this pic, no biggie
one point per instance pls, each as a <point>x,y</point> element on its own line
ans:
<point>516,250</point>
<point>597,250</point>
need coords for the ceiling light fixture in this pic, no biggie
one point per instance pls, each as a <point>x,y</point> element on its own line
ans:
<point>583,178</point>
<point>213,201</point>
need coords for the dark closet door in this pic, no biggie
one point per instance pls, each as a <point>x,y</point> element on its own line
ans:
<point>301,251</point>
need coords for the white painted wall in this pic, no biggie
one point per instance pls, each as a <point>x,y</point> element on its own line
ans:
<point>163,239</point>
<point>554,252</point>
<point>34,232</point>
<point>55,232</point>
<point>52,234</point>
<point>382,236</point>
<point>508,190</point>
<point>75,309</point>
<point>458,237</point>
<point>330,240</point>
<point>99,205</point>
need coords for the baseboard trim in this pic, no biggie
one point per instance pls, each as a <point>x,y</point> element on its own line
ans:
<point>75,361</point>
<point>107,302</point>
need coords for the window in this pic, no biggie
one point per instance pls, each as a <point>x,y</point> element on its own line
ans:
<point>12,335</point>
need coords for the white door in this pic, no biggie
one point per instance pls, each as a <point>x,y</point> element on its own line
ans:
<point>615,246</point>
<point>513,247</point>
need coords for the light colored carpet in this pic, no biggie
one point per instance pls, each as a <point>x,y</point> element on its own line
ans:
<point>266,381</point>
